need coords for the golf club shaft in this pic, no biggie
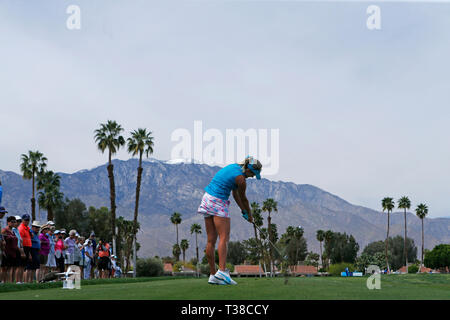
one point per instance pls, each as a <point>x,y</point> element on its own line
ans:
<point>267,236</point>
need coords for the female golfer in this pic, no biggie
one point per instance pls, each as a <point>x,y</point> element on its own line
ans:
<point>215,208</point>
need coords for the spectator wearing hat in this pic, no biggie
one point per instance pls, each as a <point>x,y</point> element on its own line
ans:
<point>88,258</point>
<point>78,257</point>
<point>80,253</point>
<point>25,235</point>
<point>20,255</point>
<point>35,248</point>
<point>51,261</point>
<point>59,250</point>
<point>9,261</point>
<point>71,245</point>
<point>44,250</point>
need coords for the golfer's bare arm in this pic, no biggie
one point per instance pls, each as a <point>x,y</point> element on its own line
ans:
<point>239,195</point>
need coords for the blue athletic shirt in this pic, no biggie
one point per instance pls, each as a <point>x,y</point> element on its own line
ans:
<point>224,181</point>
<point>35,242</point>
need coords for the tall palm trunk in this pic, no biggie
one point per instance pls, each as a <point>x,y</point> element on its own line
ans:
<point>196,247</point>
<point>269,220</point>
<point>136,209</point>
<point>112,190</point>
<point>386,245</point>
<point>49,213</point>
<point>176,225</point>
<point>33,200</point>
<point>422,242</point>
<point>321,255</point>
<point>404,247</point>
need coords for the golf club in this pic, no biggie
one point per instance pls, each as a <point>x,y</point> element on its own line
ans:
<point>281,255</point>
<point>267,236</point>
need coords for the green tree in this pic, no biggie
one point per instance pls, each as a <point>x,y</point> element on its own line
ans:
<point>421,212</point>
<point>312,259</point>
<point>32,164</point>
<point>236,253</point>
<point>252,248</point>
<point>99,221</point>
<point>151,267</point>
<point>184,245</point>
<point>438,258</point>
<point>176,251</point>
<point>197,229</point>
<point>72,214</point>
<point>395,253</point>
<point>139,143</point>
<point>175,218</point>
<point>374,247</point>
<point>125,240</point>
<point>388,205</point>
<point>50,198</point>
<point>341,248</point>
<point>405,204</point>
<point>293,245</point>
<point>108,137</point>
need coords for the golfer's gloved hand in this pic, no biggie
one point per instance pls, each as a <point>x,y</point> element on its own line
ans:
<point>246,216</point>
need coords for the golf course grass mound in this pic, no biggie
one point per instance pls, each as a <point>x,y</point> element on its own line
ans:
<point>393,287</point>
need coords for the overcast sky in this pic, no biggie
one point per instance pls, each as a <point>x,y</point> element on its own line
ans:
<point>362,114</point>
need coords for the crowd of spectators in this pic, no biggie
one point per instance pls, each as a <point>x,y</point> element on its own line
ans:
<point>30,250</point>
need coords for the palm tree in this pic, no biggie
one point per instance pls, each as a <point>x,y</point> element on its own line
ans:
<point>270,205</point>
<point>328,236</point>
<point>258,222</point>
<point>184,245</point>
<point>176,251</point>
<point>175,218</point>
<point>388,204</point>
<point>320,236</point>
<point>32,164</point>
<point>421,212</point>
<point>50,198</point>
<point>405,204</point>
<point>197,229</point>
<point>108,137</point>
<point>140,141</point>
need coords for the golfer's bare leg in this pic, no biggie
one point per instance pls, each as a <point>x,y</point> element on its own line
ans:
<point>211,244</point>
<point>223,230</point>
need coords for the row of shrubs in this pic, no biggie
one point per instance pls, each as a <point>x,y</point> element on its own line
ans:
<point>154,267</point>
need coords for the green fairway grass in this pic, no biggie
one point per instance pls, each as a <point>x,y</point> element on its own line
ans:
<point>414,286</point>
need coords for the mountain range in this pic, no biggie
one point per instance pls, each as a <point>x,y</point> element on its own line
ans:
<point>169,186</point>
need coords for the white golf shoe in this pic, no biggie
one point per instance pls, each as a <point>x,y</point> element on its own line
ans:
<point>213,280</point>
<point>225,277</point>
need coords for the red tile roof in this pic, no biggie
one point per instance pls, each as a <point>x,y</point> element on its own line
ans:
<point>424,270</point>
<point>303,269</point>
<point>402,269</point>
<point>247,269</point>
<point>168,267</point>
